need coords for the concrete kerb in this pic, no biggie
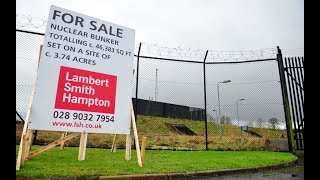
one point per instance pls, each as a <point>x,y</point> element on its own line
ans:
<point>200,173</point>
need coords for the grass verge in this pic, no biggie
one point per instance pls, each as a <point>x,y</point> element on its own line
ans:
<point>102,162</point>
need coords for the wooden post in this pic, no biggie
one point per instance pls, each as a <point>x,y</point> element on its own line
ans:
<point>128,140</point>
<point>23,150</point>
<point>21,153</point>
<point>135,133</point>
<point>128,147</point>
<point>82,146</point>
<point>28,142</point>
<point>114,145</point>
<point>64,134</point>
<point>51,145</point>
<point>143,147</point>
<point>41,46</point>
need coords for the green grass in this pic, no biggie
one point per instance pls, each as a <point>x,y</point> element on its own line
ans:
<point>102,162</point>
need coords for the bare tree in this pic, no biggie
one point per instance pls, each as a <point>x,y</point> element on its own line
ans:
<point>273,122</point>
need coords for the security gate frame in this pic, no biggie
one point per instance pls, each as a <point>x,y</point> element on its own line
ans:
<point>291,72</point>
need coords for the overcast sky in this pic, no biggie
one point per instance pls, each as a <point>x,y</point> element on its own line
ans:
<point>196,24</point>
<point>218,25</point>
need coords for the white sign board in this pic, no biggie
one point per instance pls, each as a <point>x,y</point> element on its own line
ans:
<point>84,75</point>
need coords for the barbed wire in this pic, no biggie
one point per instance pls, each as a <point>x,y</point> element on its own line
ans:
<point>242,55</point>
<point>152,49</point>
<point>179,53</point>
<point>156,50</point>
<point>25,21</point>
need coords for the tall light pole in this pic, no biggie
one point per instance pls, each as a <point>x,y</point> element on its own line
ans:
<point>237,103</point>
<point>226,81</point>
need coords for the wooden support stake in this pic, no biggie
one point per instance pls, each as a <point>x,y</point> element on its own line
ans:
<point>128,147</point>
<point>23,136</point>
<point>41,46</point>
<point>23,149</point>
<point>143,147</point>
<point>128,141</point>
<point>53,144</point>
<point>28,142</point>
<point>114,145</point>
<point>64,134</point>
<point>21,155</point>
<point>135,133</point>
<point>82,146</point>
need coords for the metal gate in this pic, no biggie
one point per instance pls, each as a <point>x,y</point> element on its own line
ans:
<point>291,70</point>
<point>294,74</point>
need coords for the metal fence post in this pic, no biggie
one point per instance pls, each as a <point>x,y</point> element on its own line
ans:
<point>35,133</point>
<point>19,116</point>
<point>205,99</point>
<point>137,81</point>
<point>285,101</point>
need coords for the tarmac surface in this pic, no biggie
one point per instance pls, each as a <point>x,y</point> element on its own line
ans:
<point>295,172</point>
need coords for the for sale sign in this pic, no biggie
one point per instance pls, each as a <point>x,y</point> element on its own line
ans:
<point>84,76</point>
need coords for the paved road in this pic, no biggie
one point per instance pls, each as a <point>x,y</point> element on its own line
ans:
<point>262,176</point>
<point>289,173</point>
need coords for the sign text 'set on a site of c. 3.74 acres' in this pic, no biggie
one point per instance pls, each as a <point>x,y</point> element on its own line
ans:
<point>84,75</point>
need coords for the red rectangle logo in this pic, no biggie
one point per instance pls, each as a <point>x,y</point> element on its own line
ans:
<point>86,91</point>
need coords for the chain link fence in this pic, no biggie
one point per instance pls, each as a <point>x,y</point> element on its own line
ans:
<point>233,101</point>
